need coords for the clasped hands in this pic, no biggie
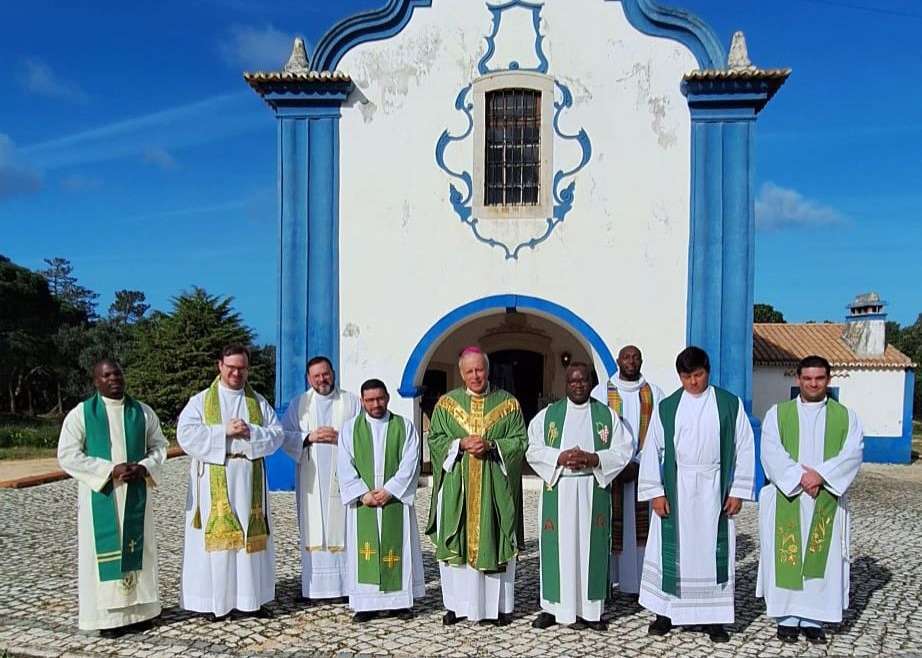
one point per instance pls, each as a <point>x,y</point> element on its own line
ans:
<point>811,481</point>
<point>376,497</point>
<point>577,460</point>
<point>237,428</point>
<point>322,435</point>
<point>661,506</point>
<point>128,472</point>
<point>475,445</point>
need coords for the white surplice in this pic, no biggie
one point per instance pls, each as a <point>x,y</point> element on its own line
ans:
<point>697,447</point>
<point>321,514</point>
<point>402,486</point>
<point>626,567</point>
<point>575,492</point>
<point>221,581</point>
<point>135,598</point>
<point>822,599</point>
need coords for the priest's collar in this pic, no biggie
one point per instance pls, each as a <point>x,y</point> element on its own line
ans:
<point>698,396</point>
<point>810,405</point>
<point>485,393</point>
<point>629,386</point>
<point>112,401</point>
<point>232,391</point>
<point>574,405</point>
<point>328,396</point>
<point>384,419</point>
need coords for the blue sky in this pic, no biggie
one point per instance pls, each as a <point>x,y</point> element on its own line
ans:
<point>130,145</point>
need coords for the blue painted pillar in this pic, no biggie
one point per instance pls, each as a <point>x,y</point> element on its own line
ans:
<point>308,113</point>
<point>721,270</point>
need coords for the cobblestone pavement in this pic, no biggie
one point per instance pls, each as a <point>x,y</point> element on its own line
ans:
<point>38,591</point>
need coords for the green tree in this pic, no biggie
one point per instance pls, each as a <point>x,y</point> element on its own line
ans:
<point>766,313</point>
<point>63,285</point>
<point>128,307</point>
<point>173,355</point>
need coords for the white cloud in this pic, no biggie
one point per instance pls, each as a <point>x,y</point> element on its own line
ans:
<point>16,177</point>
<point>38,78</point>
<point>256,48</point>
<point>159,157</point>
<point>201,122</point>
<point>780,207</point>
<point>80,183</point>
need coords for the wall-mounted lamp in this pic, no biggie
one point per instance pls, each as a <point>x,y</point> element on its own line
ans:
<point>565,359</point>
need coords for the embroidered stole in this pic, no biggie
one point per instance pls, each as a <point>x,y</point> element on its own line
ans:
<point>379,551</point>
<point>118,550</point>
<point>641,509</point>
<point>223,531</point>
<point>727,411</point>
<point>792,565</point>
<point>600,530</point>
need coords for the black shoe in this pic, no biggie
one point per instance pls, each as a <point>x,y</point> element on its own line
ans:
<point>788,634</point>
<point>717,633</point>
<point>814,635</point>
<point>600,625</point>
<point>659,626</point>
<point>213,618</point>
<point>340,599</point>
<point>362,617</point>
<point>504,619</point>
<point>262,613</point>
<point>113,633</point>
<point>402,613</point>
<point>543,620</point>
<point>450,618</point>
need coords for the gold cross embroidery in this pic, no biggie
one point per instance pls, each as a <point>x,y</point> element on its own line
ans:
<point>391,559</point>
<point>367,552</point>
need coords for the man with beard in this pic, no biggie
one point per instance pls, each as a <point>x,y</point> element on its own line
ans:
<point>312,425</point>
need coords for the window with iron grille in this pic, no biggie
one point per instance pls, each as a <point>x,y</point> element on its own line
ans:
<point>512,158</point>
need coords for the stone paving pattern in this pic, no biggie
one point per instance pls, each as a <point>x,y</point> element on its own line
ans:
<point>38,591</point>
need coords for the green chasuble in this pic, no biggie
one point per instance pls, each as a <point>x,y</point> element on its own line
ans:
<point>481,522</point>
<point>727,411</point>
<point>600,529</point>
<point>119,550</point>
<point>790,567</point>
<point>380,550</point>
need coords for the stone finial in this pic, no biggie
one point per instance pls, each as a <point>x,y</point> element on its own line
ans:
<point>297,61</point>
<point>738,59</point>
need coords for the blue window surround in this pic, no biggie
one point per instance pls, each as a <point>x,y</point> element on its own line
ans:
<point>419,357</point>
<point>720,286</point>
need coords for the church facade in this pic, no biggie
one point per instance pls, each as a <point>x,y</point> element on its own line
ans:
<point>548,180</point>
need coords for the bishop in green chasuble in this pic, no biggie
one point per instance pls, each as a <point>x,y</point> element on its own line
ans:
<point>477,443</point>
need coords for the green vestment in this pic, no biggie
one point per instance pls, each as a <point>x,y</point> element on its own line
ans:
<point>481,514</point>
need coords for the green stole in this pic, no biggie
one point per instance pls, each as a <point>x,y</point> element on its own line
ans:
<point>223,531</point>
<point>727,411</point>
<point>384,570</point>
<point>600,531</point>
<point>117,555</point>
<point>790,569</point>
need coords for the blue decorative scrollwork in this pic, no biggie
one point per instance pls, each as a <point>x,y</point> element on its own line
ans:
<point>460,199</point>
<point>497,11</point>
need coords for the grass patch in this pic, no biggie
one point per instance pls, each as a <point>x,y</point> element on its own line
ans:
<point>25,452</point>
<point>22,432</point>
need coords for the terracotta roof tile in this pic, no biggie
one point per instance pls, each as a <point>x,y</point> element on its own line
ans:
<point>786,344</point>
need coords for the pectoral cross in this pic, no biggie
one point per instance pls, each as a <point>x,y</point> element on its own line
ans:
<point>391,559</point>
<point>367,552</point>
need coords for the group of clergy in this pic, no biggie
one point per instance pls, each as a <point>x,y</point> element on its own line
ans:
<point>606,462</point>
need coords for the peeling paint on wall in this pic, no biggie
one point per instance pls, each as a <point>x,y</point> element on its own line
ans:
<point>665,136</point>
<point>351,330</point>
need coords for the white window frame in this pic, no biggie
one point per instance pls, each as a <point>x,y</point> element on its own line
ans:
<point>514,80</point>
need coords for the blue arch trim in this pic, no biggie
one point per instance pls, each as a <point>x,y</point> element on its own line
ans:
<point>426,345</point>
<point>679,25</point>
<point>361,28</point>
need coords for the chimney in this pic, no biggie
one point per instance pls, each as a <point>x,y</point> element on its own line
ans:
<point>864,328</point>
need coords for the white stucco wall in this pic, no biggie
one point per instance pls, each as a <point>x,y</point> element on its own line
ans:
<point>619,261</point>
<point>875,395</point>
